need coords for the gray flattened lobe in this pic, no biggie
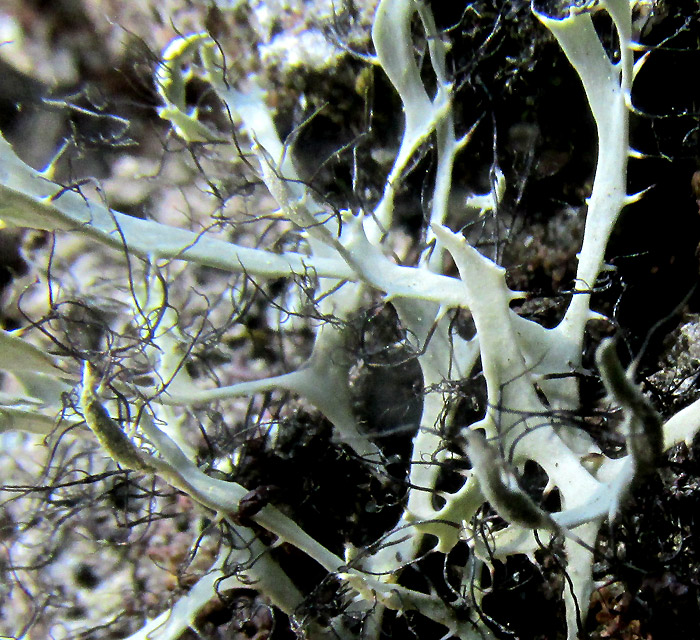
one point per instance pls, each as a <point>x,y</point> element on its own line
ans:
<point>500,487</point>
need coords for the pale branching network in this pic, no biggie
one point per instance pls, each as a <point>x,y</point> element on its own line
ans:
<point>526,367</point>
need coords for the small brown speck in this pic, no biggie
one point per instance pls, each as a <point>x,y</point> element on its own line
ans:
<point>695,185</point>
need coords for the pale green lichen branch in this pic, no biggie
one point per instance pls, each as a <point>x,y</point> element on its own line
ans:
<point>221,496</point>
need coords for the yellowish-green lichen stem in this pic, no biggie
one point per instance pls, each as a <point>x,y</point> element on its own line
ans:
<point>643,425</point>
<point>109,434</point>
<point>500,487</point>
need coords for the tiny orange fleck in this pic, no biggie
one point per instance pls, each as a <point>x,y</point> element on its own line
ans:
<point>695,184</point>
